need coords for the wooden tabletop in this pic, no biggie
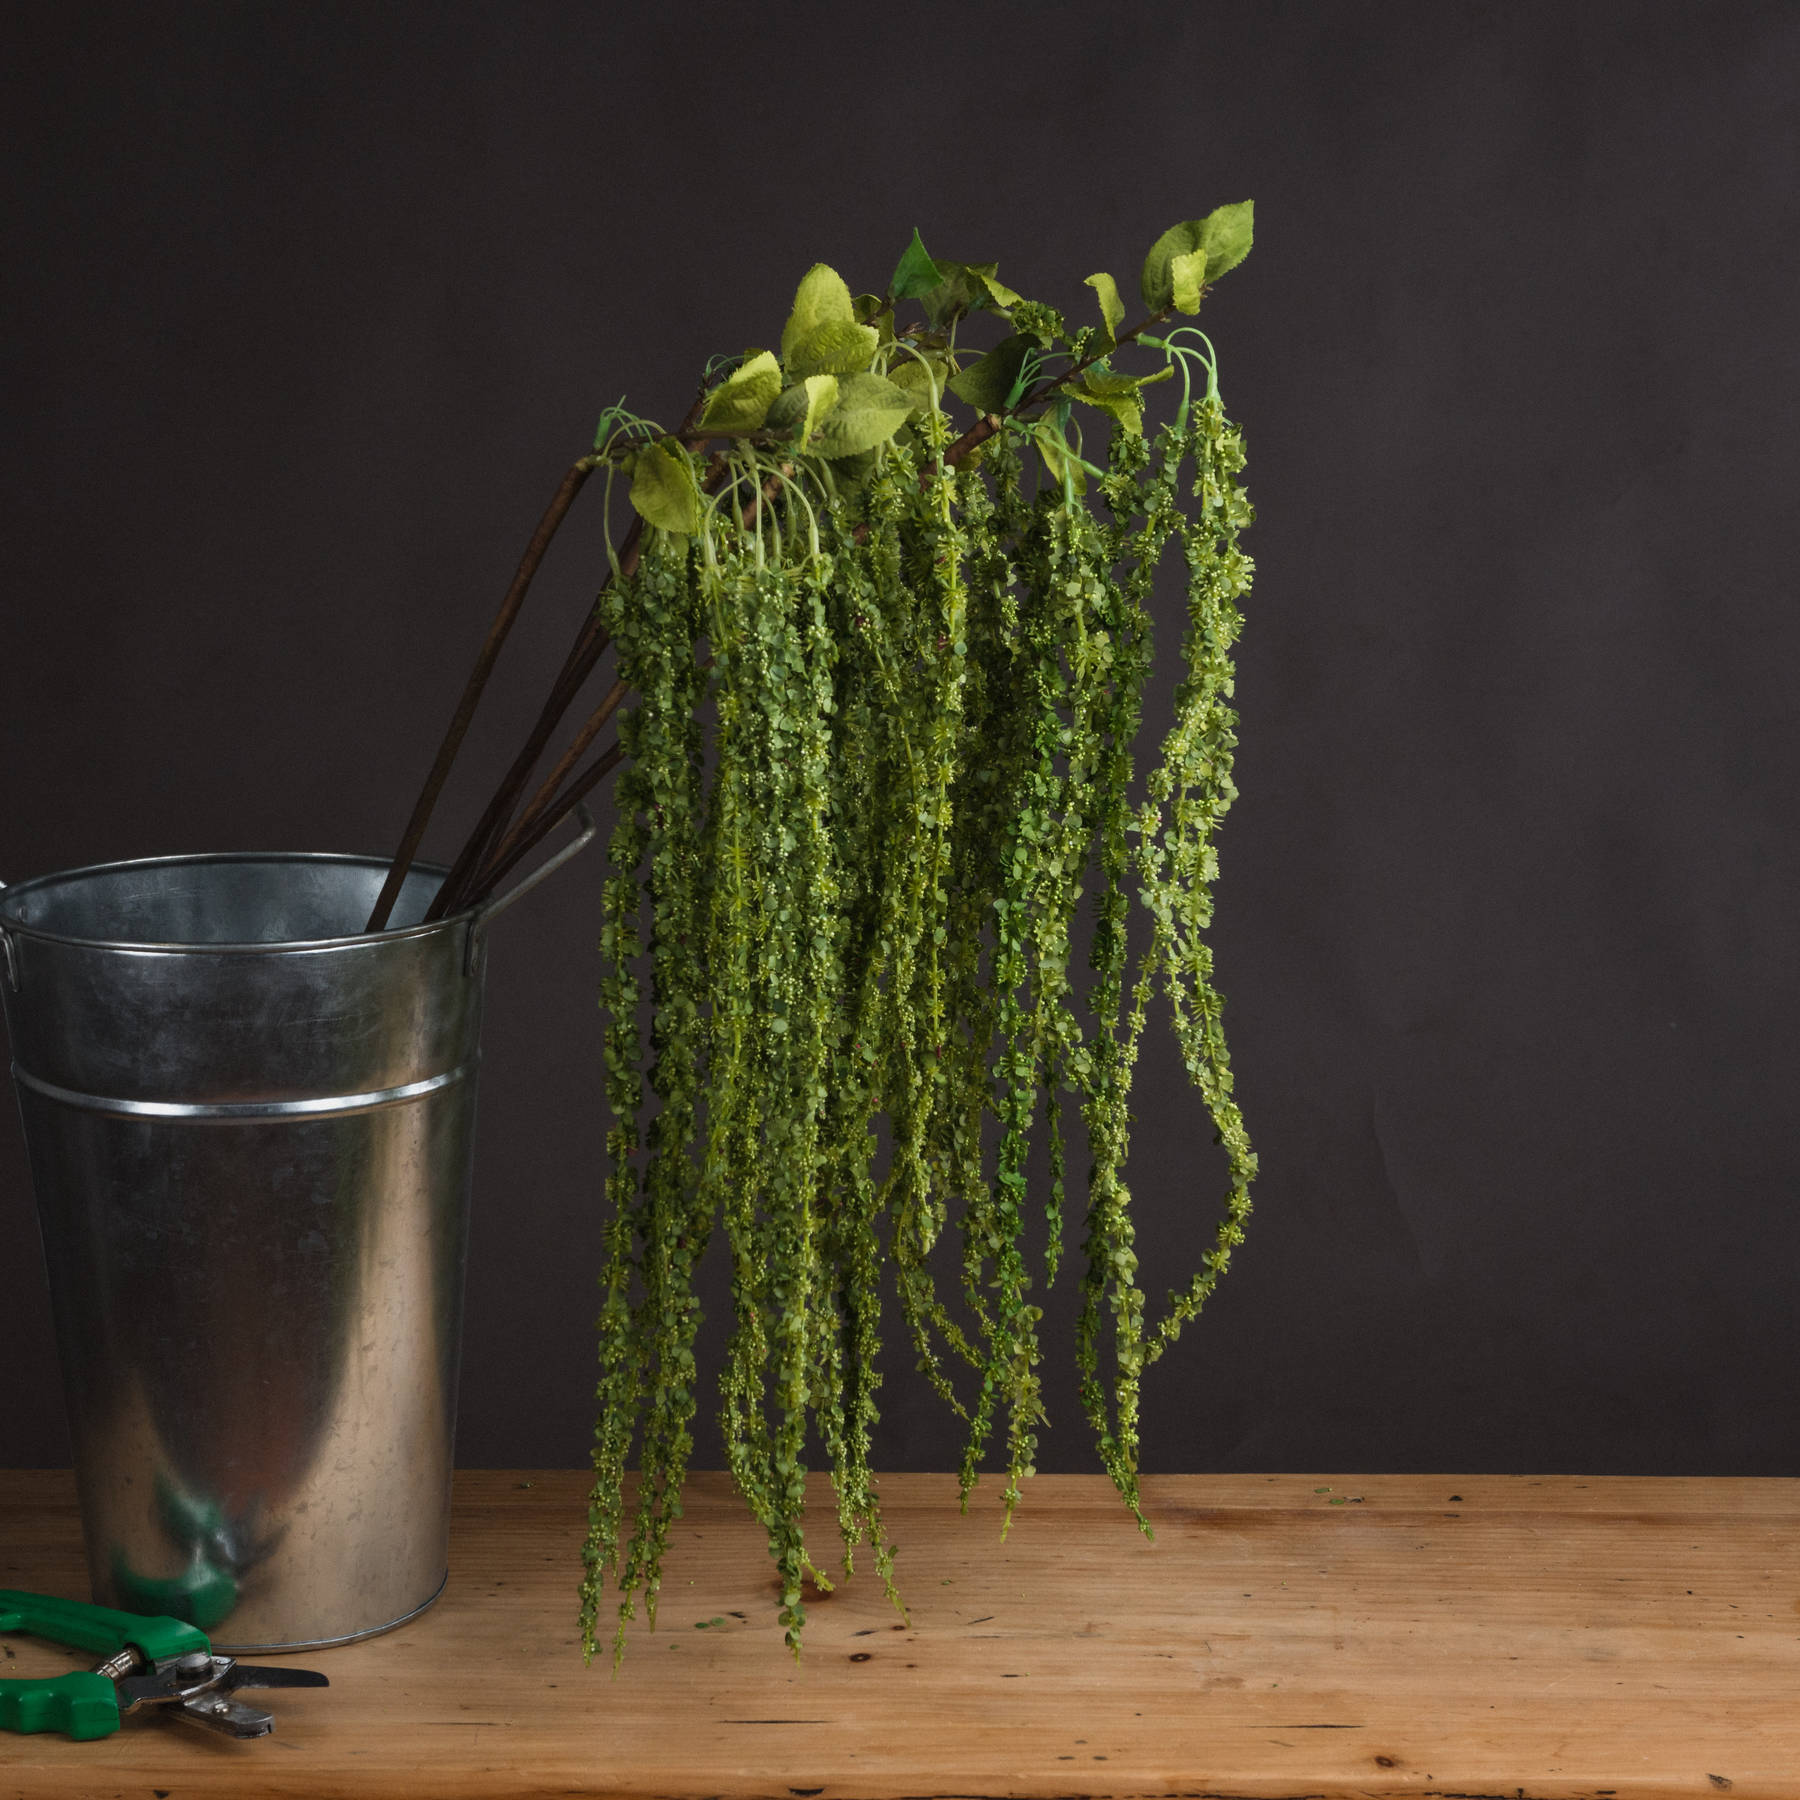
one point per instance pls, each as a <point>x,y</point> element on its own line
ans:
<point>1285,1635</point>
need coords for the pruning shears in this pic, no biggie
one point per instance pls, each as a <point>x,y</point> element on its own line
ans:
<point>149,1662</point>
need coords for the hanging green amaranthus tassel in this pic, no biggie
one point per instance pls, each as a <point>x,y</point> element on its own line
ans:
<point>888,687</point>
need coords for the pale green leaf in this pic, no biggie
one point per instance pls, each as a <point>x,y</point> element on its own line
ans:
<point>1105,384</point>
<point>835,347</point>
<point>997,291</point>
<point>800,408</point>
<point>822,395</point>
<point>1112,308</point>
<point>1187,274</point>
<point>870,409</point>
<point>916,380</point>
<point>741,402</point>
<point>663,490</point>
<point>1157,283</point>
<point>1226,234</point>
<point>821,297</point>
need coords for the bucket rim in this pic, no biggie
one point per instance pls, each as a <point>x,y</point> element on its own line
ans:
<point>24,928</point>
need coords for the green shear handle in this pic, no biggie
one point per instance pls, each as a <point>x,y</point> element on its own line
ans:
<point>85,1703</point>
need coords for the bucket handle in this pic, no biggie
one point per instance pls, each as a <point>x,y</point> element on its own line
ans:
<point>492,910</point>
<point>8,961</point>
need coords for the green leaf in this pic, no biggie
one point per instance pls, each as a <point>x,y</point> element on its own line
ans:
<point>1226,236</point>
<point>877,312</point>
<point>869,411</point>
<point>1123,408</point>
<point>914,380</point>
<point>848,470</point>
<point>742,401</point>
<point>962,290</point>
<point>966,288</point>
<point>987,385</point>
<point>837,347</point>
<point>1112,308</point>
<point>801,408</point>
<point>821,298</point>
<point>916,275</point>
<point>1057,458</point>
<point>662,488</point>
<point>1105,384</point>
<point>1118,395</point>
<point>1157,282</point>
<point>997,291</point>
<point>1187,273</point>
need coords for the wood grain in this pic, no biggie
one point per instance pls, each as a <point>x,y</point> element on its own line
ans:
<point>1285,1636</point>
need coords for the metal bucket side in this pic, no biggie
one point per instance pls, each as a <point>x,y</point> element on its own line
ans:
<point>252,1170</point>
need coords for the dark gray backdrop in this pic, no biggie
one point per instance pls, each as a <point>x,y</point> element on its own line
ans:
<point>307,307</point>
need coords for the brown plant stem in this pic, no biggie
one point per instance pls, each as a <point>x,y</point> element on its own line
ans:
<point>472,690</point>
<point>578,790</point>
<point>460,886</point>
<point>547,793</point>
<point>590,644</point>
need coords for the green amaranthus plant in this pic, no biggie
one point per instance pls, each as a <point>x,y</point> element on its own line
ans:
<point>881,686</point>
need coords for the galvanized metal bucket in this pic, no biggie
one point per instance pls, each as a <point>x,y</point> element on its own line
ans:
<point>250,1131</point>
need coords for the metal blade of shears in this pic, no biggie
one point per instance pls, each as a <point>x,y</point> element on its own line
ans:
<point>263,1675</point>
